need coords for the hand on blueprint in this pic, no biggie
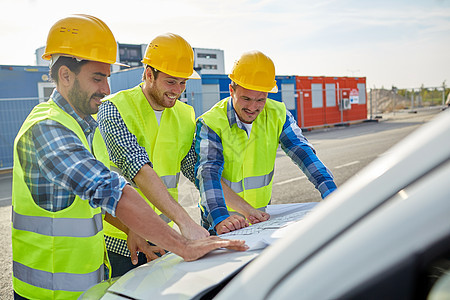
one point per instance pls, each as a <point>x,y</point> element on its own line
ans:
<point>137,244</point>
<point>231,223</point>
<point>255,216</point>
<point>195,249</point>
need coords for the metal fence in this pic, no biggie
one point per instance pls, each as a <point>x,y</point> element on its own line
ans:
<point>384,100</point>
<point>13,112</point>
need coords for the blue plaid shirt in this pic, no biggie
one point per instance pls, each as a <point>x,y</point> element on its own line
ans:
<point>209,167</point>
<point>58,167</point>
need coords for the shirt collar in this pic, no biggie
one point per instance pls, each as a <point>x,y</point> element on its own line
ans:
<point>231,113</point>
<point>88,124</point>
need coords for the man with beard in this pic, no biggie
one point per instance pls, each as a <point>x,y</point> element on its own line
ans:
<point>237,142</point>
<point>61,183</point>
<point>149,134</point>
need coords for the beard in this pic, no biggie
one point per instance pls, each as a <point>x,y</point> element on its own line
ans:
<point>158,97</point>
<point>81,100</point>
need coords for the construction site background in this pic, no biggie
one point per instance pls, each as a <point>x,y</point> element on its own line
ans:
<point>391,100</point>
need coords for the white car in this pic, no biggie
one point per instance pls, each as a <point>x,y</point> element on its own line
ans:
<point>385,234</point>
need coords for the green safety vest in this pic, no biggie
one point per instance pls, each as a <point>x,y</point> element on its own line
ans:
<point>56,255</point>
<point>249,162</point>
<point>166,144</point>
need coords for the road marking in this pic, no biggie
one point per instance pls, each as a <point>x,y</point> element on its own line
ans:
<point>5,177</point>
<point>348,164</point>
<point>5,202</point>
<point>289,180</point>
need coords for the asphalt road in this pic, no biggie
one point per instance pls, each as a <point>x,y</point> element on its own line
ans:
<point>344,150</point>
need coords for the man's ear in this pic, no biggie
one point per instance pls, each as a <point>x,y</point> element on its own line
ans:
<point>149,73</point>
<point>231,90</point>
<point>65,76</point>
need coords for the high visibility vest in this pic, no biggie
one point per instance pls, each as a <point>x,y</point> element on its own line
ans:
<point>249,161</point>
<point>56,255</point>
<point>166,144</point>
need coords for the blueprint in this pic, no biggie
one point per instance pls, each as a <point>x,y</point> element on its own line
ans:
<point>261,235</point>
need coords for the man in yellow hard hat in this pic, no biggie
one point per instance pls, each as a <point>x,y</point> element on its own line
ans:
<point>236,143</point>
<point>149,133</point>
<point>61,183</point>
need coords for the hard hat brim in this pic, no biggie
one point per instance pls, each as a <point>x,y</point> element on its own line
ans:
<point>254,87</point>
<point>121,64</point>
<point>49,57</point>
<point>195,75</point>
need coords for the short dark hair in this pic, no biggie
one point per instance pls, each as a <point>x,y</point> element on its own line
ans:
<point>154,72</point>
<point>72,63</point>
<point>234,85</point>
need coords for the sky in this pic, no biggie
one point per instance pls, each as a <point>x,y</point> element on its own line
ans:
<point>402,43</point>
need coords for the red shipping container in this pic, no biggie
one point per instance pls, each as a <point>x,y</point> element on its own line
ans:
<point>323,101</point>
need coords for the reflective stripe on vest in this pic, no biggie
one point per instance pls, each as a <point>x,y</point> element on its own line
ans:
<point>57,281</point>
<point>250,183</point>
<point>58,226</point>
<point>170,181</point>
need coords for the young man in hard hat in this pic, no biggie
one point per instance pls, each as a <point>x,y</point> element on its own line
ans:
<point>61,183</point>
<point>237,141</point>
<point>149,134</point>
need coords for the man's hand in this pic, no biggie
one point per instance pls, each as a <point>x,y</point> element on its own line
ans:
<point>238,203</point>
<point>138,216</point>
<point>199,248</point>
<point>193,231</point>
<point>255,216</point>
<point>137,244</point>
<point>231,223</point>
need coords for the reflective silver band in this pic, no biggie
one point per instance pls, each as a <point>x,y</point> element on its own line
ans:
<point>165,218</point>
<point>171,181</point>
<point>57,281</point>
<point>58,226</point>
<point>250,183</point>
<point>235,186</point>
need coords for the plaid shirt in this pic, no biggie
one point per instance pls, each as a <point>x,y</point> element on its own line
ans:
<point>210,163</point>
<point>125,151</point>
<point>58,167</point>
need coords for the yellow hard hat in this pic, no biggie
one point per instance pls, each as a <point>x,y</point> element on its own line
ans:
<point>171,54</point>
<point>255,71</point>
<point>84,37</point>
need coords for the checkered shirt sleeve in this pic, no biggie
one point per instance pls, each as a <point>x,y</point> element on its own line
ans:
<point>208,172</point>
<point>117,246</point>
<point>57,167</point>
<point>188,163</point>
<point>123,147</point>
